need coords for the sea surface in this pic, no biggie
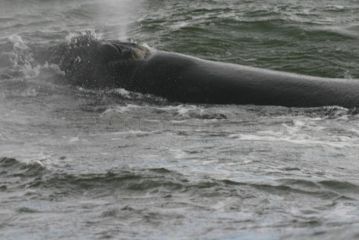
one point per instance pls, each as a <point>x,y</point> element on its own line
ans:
<point>111,164</point>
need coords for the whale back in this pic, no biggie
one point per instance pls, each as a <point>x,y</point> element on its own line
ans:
<point>182,78</point>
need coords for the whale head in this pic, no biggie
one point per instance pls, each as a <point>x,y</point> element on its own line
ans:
<point>93,63</point>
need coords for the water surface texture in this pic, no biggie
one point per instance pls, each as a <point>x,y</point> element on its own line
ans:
<point>111,164</point>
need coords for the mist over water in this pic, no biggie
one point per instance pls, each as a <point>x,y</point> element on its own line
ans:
<point>86,164</point>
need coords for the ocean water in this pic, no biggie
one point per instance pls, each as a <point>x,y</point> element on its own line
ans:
<point>110,164</point>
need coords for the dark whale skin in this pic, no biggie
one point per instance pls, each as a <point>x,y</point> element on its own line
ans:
<point>187,79</point>
<point>93,63</point>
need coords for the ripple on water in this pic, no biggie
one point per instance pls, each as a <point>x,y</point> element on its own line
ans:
<point>139,167</point>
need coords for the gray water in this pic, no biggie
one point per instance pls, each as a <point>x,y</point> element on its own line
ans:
<point>86,164</point>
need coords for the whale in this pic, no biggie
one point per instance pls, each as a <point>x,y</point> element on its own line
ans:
<point>93,63</point>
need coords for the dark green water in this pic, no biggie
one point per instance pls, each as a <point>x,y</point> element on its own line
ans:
<point>81,164</point>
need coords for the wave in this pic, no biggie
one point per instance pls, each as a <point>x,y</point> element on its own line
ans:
<point>34,175</point>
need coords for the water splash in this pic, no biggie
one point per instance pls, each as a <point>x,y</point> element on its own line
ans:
<point>22,58</point>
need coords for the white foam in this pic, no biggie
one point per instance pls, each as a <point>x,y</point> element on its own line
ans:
<point>119,109</point>
<point>299,139</point>
<point>22,57</point>
<point>74,139</point>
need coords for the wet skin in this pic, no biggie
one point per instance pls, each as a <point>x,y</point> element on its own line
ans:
<point>181,78</point>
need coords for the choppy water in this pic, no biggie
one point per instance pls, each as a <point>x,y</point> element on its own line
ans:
<point>81,164</point>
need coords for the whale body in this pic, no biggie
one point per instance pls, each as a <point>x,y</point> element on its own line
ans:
<point>114,64</point>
